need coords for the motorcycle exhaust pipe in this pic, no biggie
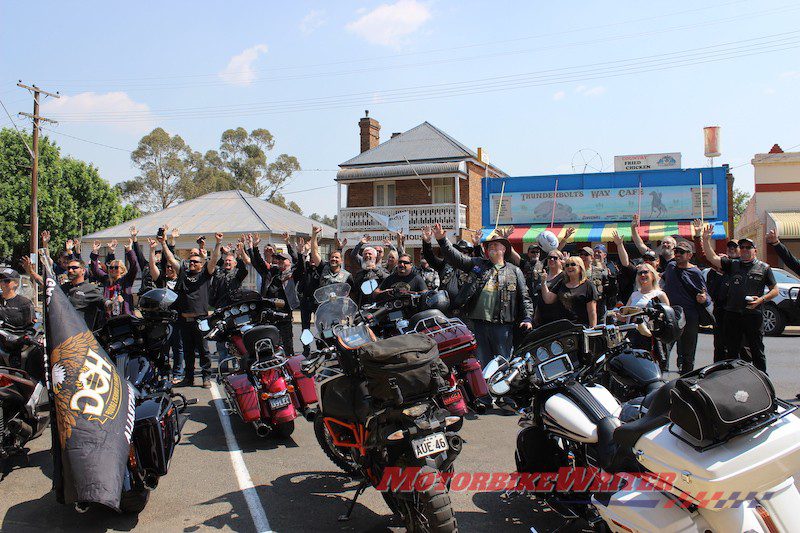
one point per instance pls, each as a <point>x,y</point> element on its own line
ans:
<point>262,430</point>
<point>22,429</point>
<point>456,443</point>
<point>310,414</point>
<point>150,481</point>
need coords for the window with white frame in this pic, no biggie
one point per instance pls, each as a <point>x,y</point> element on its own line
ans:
<point>442,190</point>
<point>384,193</point>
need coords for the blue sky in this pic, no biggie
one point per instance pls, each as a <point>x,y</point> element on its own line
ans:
<point>532,82</point>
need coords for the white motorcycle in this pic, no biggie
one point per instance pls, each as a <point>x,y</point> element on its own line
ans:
<point>646,474</point>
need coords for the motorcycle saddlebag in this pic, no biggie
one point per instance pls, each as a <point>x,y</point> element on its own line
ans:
<point>712,402</point>
<point>412,361</point>
<point>242,391</point>
<point>345,398</point>
<point>155,433</point>
<point>303,385</point>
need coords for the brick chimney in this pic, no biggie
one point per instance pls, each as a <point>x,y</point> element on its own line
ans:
<point>776,149</point>
<point>370,132</point>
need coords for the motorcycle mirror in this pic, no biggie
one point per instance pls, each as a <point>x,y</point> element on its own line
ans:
<point>369,286</point>
<point>306,337</point>
<point>643,329</point>
<point>202,325</point>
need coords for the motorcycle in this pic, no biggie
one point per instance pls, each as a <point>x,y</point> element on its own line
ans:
<point>24,403</point>
<point>402,433</point>
<point>138,348</point>
<point>646,474</point>
<point>263,385</point>
<point>628,373</point>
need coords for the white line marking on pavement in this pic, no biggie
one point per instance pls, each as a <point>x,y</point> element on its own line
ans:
<point>242,474</point>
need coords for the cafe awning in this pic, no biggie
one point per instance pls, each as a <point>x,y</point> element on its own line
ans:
<point>602,231</point>
<point>787,224</point>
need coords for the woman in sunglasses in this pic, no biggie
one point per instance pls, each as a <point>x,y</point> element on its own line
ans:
<point>117,281</point>
<point>647,287</point>
<point>577,296</point>
<point>545,312</point>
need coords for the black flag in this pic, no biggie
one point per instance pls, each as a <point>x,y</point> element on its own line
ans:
<point>93,407</point>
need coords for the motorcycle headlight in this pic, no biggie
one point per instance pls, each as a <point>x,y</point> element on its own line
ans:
<point>416,410</point>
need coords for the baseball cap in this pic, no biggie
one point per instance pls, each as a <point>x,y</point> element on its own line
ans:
<point>685,245</point>
<point>732,244</point>
<point>586,250</point>
<point>8,273</point>
<point>534,247</point>
<point>746,241</point>
<point>281,255</point>
<point>601,247</point>
<point>649,255</point>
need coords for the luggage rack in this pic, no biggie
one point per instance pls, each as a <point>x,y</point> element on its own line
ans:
<point>449,328</point>
<point>759,423</point>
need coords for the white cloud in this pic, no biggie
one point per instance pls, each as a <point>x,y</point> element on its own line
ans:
<point>560,95</point>
<point>313,21</point>
<point>769,91</point>
<point>580,88</point>
<point>790,75</point>
<point>240,69</point>
<point>115,108</point>
<point>389,24</point>
<point>595,91</point>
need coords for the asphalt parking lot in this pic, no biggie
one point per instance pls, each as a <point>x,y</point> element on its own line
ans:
<point>293,482</point>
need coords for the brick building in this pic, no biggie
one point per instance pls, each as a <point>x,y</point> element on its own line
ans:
<point>423,171</point>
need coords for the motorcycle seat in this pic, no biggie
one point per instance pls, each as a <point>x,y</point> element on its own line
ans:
<point>657,403</point>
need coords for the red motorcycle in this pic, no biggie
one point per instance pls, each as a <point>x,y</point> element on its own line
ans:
<point>264,385</point>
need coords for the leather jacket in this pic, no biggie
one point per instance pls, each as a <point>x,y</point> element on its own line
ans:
<point>514,302</point>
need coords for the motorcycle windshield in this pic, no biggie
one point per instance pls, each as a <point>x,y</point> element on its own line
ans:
<point>334,312</point>
<point>334,290</point>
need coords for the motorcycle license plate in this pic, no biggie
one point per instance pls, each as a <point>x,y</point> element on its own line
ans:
<point>280,401</point>
<point>429,445</point>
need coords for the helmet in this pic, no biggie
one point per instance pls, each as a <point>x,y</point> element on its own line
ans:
<point>547,241</point>
<point>438,300</point>
<point>157,300</point>
<point>463,246</point>
<point>670,322</point>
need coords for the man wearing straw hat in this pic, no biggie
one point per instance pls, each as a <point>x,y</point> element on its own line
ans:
<point>495,297</point>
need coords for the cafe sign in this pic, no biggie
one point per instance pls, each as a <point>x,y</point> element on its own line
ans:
<point>601,205</point>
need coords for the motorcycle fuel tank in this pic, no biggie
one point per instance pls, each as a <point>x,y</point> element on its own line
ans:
<point>633,368</point>
<point>562,415</point>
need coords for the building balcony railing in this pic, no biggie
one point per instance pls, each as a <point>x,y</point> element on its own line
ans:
<point>358,219</point>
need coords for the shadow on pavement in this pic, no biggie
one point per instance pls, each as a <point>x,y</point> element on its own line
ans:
<point>46,514</point>
<point>211,437</point>
<point>517,513</point>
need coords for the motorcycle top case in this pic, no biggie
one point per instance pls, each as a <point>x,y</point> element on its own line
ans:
<point>412,361</point>
<point>155,433</point>
<point>453,338</point>
<point>712,402</point>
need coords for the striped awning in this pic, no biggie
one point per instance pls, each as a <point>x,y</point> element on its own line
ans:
<point>788,224</point>
<point>602,231</point>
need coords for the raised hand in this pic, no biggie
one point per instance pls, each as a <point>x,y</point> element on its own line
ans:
<point>708,231</point>
<point>697,227</point>
<point>45,238</point>
<point>286,237</point>
<point>256,239</point>
<point>77,245</point>
<point>635,221</point>
<point>129,245</point>
<point>438,232</point>
<point>96,246</point>
<point>427,233</point>
<point>26,264</point>
<point>339,244</point>
<point>69,245</point>
<point>152,242</point>
<point>617,238</point>
<point>569,232</point>
<point>175,233</point>
<point>772,236</point>
<point>112,244</point>
<point>134,232</point>
<point>316,230</point>
<point>365,239</point>
<point>161,237</point>
<point>219,236</point>
<point>476,238</point>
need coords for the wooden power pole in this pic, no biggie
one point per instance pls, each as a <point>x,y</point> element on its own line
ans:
<point>37,92</point>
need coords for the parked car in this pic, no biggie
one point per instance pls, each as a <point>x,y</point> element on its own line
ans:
<point>783,310</point>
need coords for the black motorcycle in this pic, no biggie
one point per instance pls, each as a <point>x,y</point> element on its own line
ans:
<point>24,403</point>
<point>380,418</point>
<point>138,346</point>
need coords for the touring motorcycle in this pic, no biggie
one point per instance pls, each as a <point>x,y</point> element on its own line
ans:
<point>667,480</point>
<point>263,384</point>
<point>138,347</point>
<point>380,409</point>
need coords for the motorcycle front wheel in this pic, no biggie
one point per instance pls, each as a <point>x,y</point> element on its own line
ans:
<point>339,456</point>
<point>428,511</point>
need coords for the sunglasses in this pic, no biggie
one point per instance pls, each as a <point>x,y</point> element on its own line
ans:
<point>584,254</point>
<point>404,262</point>
<point>643,272</point>
<point>6,280</point>
<point>681,251</point>
<point>572,264</point>
<point>73,268</point>
<point>746,247</point>
<point>552,257</point>
<point>195,261</point>
<point>113,267</point>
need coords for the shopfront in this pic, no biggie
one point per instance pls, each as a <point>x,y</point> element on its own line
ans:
<point>598,204</point>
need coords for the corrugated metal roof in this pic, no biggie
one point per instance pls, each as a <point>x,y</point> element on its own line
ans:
<point>421,143</point>
<point>423,169</point>
<point>788,224</point>
<point>230,212</point>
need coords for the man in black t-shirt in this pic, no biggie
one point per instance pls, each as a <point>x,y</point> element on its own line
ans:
<point>744,320</point>
<point>193,288</point>
<point>403,278</point>
<point>15,310</point>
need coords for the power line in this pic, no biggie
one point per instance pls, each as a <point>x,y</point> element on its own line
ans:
<point>88,141</point>
<point>601,70</point>
<point>16,128</point>
<point>308,190</point>
<point>744,164</point>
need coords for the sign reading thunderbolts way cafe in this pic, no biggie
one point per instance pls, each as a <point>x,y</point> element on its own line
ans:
<point>604,204</point>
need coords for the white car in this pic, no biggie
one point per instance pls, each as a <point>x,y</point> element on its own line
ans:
<point>783,310</point>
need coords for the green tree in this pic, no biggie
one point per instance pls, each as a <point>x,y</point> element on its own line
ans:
<point>73,198</point>
<point>245,156</point>
<point>740,199</point>
<point>279,200</point>
<point>166,170</point>
<point>324,219</point>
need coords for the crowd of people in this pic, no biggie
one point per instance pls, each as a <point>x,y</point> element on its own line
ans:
<point>497,292</point>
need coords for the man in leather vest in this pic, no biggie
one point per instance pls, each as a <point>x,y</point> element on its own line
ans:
<point>450,279</point>
<point>744,320</point>
<point>496,296</point>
